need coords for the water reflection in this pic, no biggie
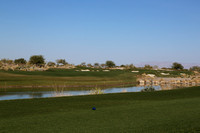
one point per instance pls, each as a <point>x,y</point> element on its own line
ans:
<point>36,95</point>
<point>43,94</point>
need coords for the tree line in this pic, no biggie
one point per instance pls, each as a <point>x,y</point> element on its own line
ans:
<point>39,60</point>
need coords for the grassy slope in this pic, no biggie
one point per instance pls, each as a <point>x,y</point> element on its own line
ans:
<point>72,77</point>
<point>163,111</point>
<point>64,77</point>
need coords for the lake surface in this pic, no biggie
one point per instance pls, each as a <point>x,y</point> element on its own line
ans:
<point>44,94</point>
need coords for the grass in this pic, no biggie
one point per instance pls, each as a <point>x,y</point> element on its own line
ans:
<point>64,77</point>
<point>70,77</point>
<point>161,112</point>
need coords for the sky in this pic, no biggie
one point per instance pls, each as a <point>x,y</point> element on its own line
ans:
<point>124,31</point>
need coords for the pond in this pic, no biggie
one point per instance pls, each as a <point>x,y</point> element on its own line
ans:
<point>45,94</point>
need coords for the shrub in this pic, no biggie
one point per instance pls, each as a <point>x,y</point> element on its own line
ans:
<point>148,67</point>
<point>96,91</point>
<point>195,68</point>
<point>20,61</point>
<point>148,89</point>
<point>96,65</point>
<point>61,62</point>
<point>51,64</point>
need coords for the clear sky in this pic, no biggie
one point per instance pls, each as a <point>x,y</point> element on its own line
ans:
<point>125,31</point>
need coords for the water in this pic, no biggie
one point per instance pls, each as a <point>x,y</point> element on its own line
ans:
<point>44,94</point>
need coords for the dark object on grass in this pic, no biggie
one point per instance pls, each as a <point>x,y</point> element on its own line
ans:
<point>148,89</point>
<point>94,108</point>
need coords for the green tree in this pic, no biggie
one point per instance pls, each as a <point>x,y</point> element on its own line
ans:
<point>122,65</point>
<point>6,61</point>
<point>37,60</point>
<point>195,68</point>
<point>131,66</point>
<point>89,65</point>
<point>51,64</point>
<point>103,65</point>
<point>20,61</point>
<point>177,66</point>
<point>96,65</point>
<point>83,64</point>
<point>148,67</point>
<point>61,62</point>
<point>110,64</point>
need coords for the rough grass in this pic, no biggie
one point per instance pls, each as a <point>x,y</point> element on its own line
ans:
<point>161,112</point>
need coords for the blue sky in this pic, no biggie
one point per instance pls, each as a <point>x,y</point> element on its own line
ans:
<point>125,31</point>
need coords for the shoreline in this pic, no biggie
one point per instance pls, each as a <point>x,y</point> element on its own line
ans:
<point>66,86</point>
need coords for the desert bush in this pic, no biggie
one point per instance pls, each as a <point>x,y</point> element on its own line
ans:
<point>51,64</point>
<point>148,89</point>
<point>96,91</point>
<point>20,61</point>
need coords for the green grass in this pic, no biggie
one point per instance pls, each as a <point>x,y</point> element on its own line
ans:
<point>70,77</point>
<point>161,112</point>
<point>73,79</point>
<point>69,73</point>
<point>64,77</point>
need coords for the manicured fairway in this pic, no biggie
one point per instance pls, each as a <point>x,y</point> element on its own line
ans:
<point>75,77</point>
<point>65,77</point>
<point>161,112</point>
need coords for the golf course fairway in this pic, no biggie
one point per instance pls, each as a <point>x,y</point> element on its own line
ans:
<point>161,112</point>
